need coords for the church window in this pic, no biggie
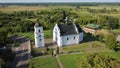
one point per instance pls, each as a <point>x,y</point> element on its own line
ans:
<point>39,35</point>
<point>74,37</point>
<point>40,39</point>
<point>67,38</point>
<point>39,30</point>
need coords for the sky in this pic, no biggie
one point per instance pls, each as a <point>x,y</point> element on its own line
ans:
<point>40,1</point>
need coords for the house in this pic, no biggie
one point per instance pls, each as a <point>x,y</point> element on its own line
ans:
<point>67,33</point>
<point>39,35</point>
<point>91,28</point>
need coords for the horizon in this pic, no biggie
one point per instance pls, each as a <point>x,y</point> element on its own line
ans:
<point>57,1</point>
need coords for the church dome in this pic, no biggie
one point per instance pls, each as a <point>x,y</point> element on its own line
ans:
<point>37,24</point>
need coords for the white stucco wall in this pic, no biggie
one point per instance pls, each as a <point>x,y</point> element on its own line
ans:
<point>39,37</point>
<point>71,40</point>
<point>62,40</point>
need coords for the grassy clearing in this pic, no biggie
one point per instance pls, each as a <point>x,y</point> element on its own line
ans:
<point>72,60</point>
<point>45,62</point>
<point>94,46</point>
<point>30,35</point>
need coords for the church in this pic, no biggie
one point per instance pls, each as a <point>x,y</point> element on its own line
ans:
<point>67,33</point>
<point>64,34</point>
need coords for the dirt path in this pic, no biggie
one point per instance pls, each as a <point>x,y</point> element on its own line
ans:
<point>58,61</point>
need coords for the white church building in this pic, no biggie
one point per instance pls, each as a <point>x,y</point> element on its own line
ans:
<point>39,35</point>
<point>67,33</point>
<point>64,34</point>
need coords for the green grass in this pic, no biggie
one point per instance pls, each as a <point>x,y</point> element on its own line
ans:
<point>30,35</point>
<point>45,62</point>
<point>94,46</point>
<point>117,30</point>
<point>115,55</point>
<point>72,60</point>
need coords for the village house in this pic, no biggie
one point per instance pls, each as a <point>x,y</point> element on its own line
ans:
<point>67,33</point>
<point>91,28</point>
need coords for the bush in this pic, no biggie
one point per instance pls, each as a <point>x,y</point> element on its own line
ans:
<point>98,61</point>
<point>110,41</point>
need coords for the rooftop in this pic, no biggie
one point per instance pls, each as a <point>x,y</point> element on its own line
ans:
<point>68,29</point>
<point>93,26</point>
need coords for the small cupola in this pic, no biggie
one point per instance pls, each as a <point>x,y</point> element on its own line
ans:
<point>38,24</point>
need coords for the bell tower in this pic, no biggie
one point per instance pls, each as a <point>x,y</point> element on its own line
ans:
<point>39,35</point>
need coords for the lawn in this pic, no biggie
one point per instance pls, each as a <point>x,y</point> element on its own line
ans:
<point>93,46</point>
<point>43,62</point>
<point>71,60</point>
<point>30,35</point>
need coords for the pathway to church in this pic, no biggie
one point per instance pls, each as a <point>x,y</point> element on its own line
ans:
<point>22,54</point>
<point>58,61</point>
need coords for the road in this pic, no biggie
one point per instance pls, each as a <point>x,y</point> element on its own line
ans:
<point>22,54</point>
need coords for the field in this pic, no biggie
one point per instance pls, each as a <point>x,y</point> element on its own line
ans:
<point>72,60</point>
<point>17,8</point>
<point>43,62</point>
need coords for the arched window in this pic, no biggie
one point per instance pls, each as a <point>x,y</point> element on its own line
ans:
<point>39,35</point>
<point>74,37</point>
<point>40,39</point>
<point>67,38</point>
<point>39,30</point>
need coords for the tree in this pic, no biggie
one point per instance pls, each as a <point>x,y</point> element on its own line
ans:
<point>3,36</point>
<point>1,62</point>
<point>98,61</point>
<point>110,41</point>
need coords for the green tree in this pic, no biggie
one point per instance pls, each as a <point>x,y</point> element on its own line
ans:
<point>1,62</point>
<point>3,37</point>
<point>98,61</point>
<point>110,41</point>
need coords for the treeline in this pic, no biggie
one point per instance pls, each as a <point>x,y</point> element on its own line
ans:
<point>23,21</point>
<point>63,4</point>
<point>109,22</point>
<point>104,10</point>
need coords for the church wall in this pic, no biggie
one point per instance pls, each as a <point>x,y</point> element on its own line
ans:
<point>70,39</point>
